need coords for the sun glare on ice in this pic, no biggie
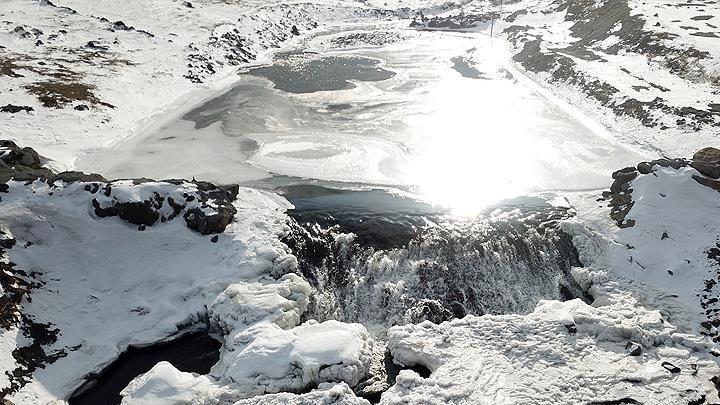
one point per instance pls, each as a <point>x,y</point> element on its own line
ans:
<point>478,145</point>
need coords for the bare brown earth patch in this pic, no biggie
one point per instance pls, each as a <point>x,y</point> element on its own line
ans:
<point>57,94</point>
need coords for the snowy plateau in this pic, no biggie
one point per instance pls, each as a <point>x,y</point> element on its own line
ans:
<point>359,201</point>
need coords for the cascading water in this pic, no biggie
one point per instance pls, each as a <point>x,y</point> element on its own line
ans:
<point>502,263</point>
<point>383,260</point>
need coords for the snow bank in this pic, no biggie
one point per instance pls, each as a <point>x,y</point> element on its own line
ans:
<point>165,385</point>
<point>267,358</point>
<point>666,257</point>
<point>566,352</point>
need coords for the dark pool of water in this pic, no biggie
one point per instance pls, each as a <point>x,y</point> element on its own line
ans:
<point>192,352</point>
<point>301,72</point>
<point>378,218</point>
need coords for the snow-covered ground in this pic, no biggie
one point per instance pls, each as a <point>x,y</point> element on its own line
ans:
<point>62,56</point>
<point>90,267</point>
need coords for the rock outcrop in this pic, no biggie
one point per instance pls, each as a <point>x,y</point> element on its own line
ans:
<point>205,207</point>
<point>706,161</point>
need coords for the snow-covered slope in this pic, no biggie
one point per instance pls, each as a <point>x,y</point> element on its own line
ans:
<point>648,70</point>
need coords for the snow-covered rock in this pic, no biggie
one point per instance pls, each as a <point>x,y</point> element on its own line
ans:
<point>267,358</point>
<point>280,302</point>
<point>565,353</point>
<point>165,385</point>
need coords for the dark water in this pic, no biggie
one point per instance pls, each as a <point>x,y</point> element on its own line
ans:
<point>411,263</point>
<point>192,352</point>
<point>302,72</point>
<point>378,218</point>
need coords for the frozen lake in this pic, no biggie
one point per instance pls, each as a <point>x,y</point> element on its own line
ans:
<point>442,115</point>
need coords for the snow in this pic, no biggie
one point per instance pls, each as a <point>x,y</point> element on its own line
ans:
<point>266,348</point>
<point>663,258</point>
<point>266,358</point>
<point>537,359</point>
<point>106,285</point>
<point>165,385</point>
<point>183,42</point>
<point>127,286</point>
<point>637,76</point>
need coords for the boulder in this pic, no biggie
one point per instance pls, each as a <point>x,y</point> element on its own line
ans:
<point>13,155</point>
<point>138,213</point>
<point>213,223</point>
<point>713,184</point>
<point>707,162</point>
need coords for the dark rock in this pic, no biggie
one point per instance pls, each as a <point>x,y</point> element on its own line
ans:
<point>214,239</point>
<point>670,367</point>
<point>187,4</point>
<point>103,212</point>
<point>713,184</point>
<point>81,107</point>
<point>699,401</point>
<point>207,224</point>
<point>633,349</point>
<point>625,173</point>
<point>92,188</point>
<point>16,156</point>
<point>7,243</point>
<point>177,208</point>
<point>715,379</point>
<point>707,162</point>
<point>621,401</point>
<point>673,163</point>
<point>620,196</point>
<point>708,169</point>
<point>120,26</point>
<point>95,45</point>
<point>73,176</point>
<point>138,213</point>
<point>645,168</point>
<point>709,154</point>
<point>572,329</point>
<point>295,30</point>
<point>429,310</point>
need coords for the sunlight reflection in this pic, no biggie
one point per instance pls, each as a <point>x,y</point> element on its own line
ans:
<point>466,164</point>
